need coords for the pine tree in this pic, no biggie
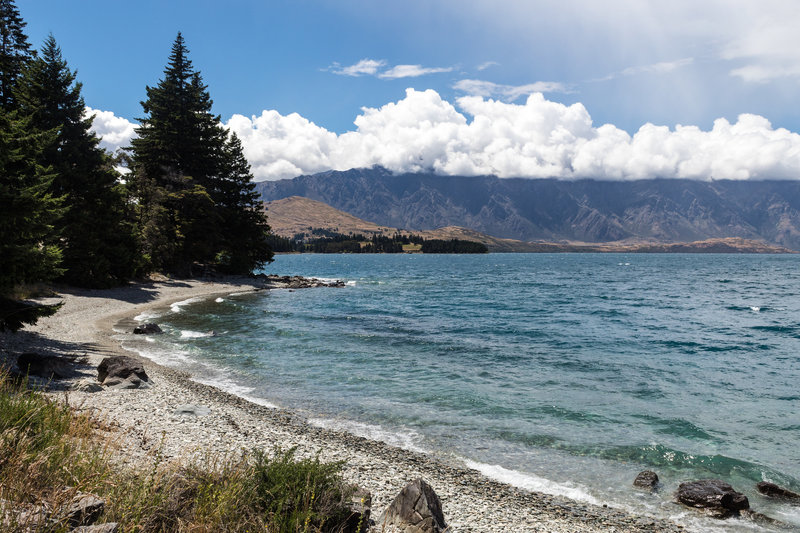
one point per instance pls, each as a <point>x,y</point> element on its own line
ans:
<point>15,51</point>
<point>26,219</point>
<point>97,241</point>
<point>246,246</point>
<point>192,192</point>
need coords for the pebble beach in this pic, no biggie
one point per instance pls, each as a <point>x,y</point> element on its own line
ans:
<point>179,419</point>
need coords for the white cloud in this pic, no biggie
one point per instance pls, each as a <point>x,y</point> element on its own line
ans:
<point>510,93</point>
<point>412,71</point>
<point>114,132</point>
<point>487,64</point>
<point>375,67</point>
<point>536,139</point>
<point>363,67</point>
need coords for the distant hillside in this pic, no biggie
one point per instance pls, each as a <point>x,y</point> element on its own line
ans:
<point>587,211</point>
<point>293,215</point>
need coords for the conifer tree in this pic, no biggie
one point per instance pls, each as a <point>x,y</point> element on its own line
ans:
<point>192,194</point>
<point>97,241</point>
<point>15,51</point>
<point>26,219</point>
<point>246,245</point>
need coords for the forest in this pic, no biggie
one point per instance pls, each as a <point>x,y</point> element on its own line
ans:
<point>324,241</point>
<point>185,206</point>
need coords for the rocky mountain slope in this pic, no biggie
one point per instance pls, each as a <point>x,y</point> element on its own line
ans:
<point>552,210</point>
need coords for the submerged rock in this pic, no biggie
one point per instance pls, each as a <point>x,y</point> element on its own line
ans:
<point>647,480</point>
<point>714,496</point>
<point>147,329</point>
<point>416,509</point>
<point>774,491</point>
<point>123,372</point>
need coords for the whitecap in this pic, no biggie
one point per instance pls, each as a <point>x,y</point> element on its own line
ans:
<point>219,300</point>
<point>755,309</point>
<point>408,440</point>
<point>532,482</point>
<point>189,334</point>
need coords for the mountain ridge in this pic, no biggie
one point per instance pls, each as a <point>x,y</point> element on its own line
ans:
<point>590,211</point>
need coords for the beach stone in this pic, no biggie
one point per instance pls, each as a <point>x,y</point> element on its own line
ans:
<point>86,385</point>
<point>44,366</point>
<point>416,509</point>
<point>360,508</point>
<point>110,527</point>
<point>195,410</point>
<point>774,491</point>
<point>647,480</point>
<point>714,496</point>
<point>147,329</point>
<point>83,510</point>
<point>114,371</point>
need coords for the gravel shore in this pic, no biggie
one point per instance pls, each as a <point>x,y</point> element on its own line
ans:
<point>150,421</point>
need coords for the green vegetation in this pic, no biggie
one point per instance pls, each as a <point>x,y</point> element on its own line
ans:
<point>188,206</point>
<point>45,448</point>
<point>323,241</point>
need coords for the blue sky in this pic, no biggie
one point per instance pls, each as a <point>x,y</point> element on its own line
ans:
<point>628,63</point>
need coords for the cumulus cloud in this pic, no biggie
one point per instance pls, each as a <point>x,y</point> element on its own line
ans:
<point>536,139</point>
<point>114,132</point>
<point>507,92</point>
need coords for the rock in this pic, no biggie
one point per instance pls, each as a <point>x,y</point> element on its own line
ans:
<point>147,329</point>
<point>647,480</point>
<point>86,385</point>
<point>774,491</point>
<point>111,527</point>
<point>122,372</point>
<point>195,410</point>
<point>360,507</point>
<point>714,496</point>
<point>83,510</point>
<point>44,366</point>
<point>416,509</point>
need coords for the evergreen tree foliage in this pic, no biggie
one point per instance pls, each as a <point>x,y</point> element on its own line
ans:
<point>26,219</point>
<point>15,51</point>
<point>191,181</point>
<point>97,241</point>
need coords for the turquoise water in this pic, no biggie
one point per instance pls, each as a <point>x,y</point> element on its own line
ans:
<point>566,373</point>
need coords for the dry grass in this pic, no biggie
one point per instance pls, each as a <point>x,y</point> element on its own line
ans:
<point>48,453</point>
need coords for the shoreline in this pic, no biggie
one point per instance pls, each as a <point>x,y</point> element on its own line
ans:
<point>147,419</point>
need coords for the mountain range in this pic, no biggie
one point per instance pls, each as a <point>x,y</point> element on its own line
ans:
<point>583,211</point>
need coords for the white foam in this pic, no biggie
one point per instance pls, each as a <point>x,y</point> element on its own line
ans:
<point>176,307</point>
<point>189,334</point>
<point>219,300</point>
<point>532,482</point>
<point>407,441</point>
<point>755,309</point>
<point>230,386</point>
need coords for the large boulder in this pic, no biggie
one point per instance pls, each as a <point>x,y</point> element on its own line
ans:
<point>45,366</point>
<point>774,491</point>
<point>714,496</point>
<point>647,480</point>
<point>121,371</point>
<point>416,509</point>
<point>147,329</point>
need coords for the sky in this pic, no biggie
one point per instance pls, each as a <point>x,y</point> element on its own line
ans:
<point>618,89</point>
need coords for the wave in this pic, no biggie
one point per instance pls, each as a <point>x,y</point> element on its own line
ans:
<point>532,482</point>
<point>177,306</point>
<point>408,440</point>
<point>189,334</point>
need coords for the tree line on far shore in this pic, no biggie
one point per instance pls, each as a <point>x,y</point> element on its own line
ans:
<point>323,241</point>
<point>187,206</point>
